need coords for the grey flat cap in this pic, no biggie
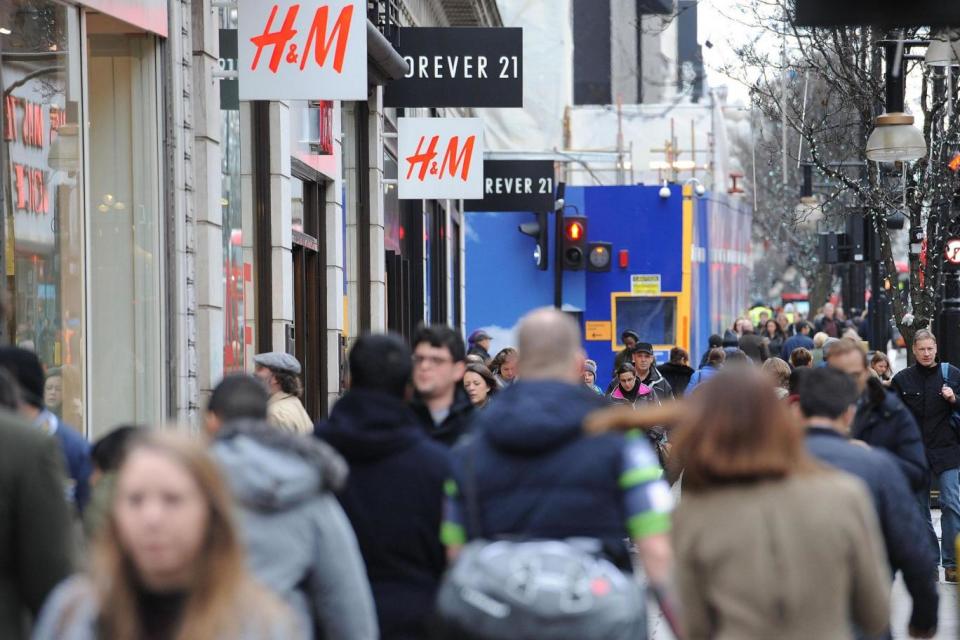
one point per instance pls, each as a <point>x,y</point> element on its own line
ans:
<point>278,361</point>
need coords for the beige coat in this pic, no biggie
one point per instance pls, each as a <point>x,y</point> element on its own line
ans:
<point>797,559</point>
<point>287,412</point>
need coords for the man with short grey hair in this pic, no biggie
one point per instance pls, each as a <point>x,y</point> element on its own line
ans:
<point>929,389</point>
<point>534,474</point>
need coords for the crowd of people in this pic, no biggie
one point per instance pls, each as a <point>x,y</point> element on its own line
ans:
<point>782,482</point>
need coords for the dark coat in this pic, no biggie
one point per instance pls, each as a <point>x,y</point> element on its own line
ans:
<point>919,388</point>
<point>394,499</point>
<point>456,424</point>
<point>35,523</point>
<point>904,529</point>
<point>623,356</point>
<point>754,346</point>
<point>655,380</point>
<point>76,455</point>
<point>884,422</point>
<point>477,350</point>
<point>830,326</point>
<point>795,342</point>
<point>537,476</point>
<point>677,375</point>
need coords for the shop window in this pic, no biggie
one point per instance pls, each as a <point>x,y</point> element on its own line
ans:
<point>43,178</point>
<point>653,318</point>
<point>125,215</point>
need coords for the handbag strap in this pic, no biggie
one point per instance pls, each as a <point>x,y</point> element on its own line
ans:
<point>945,372</point>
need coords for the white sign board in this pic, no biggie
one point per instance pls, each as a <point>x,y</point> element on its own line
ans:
<point>302,50</point>
<point>440,158</point>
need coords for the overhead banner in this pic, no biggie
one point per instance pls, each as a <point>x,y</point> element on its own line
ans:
<point>459,67</point>
<point>302,50</point>
<point>515,185</point>
<point>440,158</point>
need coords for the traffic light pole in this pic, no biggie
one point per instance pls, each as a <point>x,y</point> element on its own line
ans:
<point>558,248</point>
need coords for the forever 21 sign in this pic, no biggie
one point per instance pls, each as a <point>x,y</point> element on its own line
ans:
<point>515,185</point>
<point>459,67</point>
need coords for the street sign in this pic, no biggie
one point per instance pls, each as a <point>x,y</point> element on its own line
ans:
<point>440,158</point>
<point>515,185</point>
<point>229,87</point>
<point>304,50</point>
<point>890,13</point>
<point>953,251</point>
<point>598,330</point>
<point>459,67</point>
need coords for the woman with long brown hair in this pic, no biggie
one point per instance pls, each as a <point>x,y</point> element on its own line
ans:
<point>766,541</point>
<point>168,563</point>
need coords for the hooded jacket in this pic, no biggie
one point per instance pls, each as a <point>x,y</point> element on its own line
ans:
<point>299,542</point>
<point>884,422</point>
<point>533,473</point>
<point>678,375</point>
<point>454,425</point>
<point>394,499</point>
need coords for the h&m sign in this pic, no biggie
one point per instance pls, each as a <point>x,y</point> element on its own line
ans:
<point>303,50</point>
<point>440,158</point>
<point>459,67</point>
<point>516,185</point>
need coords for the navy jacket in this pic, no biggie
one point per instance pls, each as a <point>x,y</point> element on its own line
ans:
<point>535,475</point>
<point>795,342</point>
<point>919,388</point>
<point>455,425</point>
<point>889,425</point>
<point>904,529</point>
<point>394,499</point>
<point>76,456</point>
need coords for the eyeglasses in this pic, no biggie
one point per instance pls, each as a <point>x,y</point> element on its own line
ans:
<point>434,361</point>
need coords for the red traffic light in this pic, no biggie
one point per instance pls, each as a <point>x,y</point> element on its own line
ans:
<point>574,230</point>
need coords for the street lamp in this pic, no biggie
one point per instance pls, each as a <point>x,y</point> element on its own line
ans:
<point>944,50</point>
<point>894,138</point>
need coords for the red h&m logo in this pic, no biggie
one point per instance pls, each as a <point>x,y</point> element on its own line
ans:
<point>452,160</point>
<point>318,43</point>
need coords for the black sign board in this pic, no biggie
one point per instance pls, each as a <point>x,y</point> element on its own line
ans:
<point>515,185</point>
<point>459,67</point>
<point>229,88</point>
<point>884,13</point>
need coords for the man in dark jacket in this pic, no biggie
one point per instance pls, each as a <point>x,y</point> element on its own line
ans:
<point>800,339</point>
<point>828,323</point>
<point>715,341</point>
<point>753,345</point>
<point>932,399</point>
<point>645,365</point>
<point>394,495</point>
<point>26,369</point>
<point>532,473</point>
<point>677,371</point>
<point>479,342</point>
<point>828,403</point>
<point>35,538</point>
<point>629,338</point>
<point>881,420</point>
<point>298,540</point>
<point>440,403</point>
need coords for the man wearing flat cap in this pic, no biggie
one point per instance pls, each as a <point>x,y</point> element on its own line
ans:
<point>280,373</point>
<point>480,345</point>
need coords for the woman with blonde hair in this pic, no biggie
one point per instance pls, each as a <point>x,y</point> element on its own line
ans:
<point>168,563</point>
<point>778,372</point>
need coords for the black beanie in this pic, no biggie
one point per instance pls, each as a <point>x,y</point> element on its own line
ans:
<point>25,367</point>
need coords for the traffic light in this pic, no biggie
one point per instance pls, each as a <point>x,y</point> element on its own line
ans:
<point>574,242</point>
<point>599,256</point>
<point>538,231</point>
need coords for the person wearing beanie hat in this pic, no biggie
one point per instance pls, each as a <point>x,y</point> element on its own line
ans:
<point>629,339</point>
<point>590,376</point>
<point>26,369</point>
<point>715,341</point>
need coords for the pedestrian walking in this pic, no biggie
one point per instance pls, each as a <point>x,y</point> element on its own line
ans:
<point>880,364</point>
<point>35,536</point>
<point>774,336</point>
<point>590,377</point>
<point>629,338</point>
<point>827,402</point>
<point>677,371</point>
<point>713,342</point>
<point>504,366</point>
<point>629,390</point>
<point>767,543</point>
<point>800,339</point>
<point>26,369</point>
<point>819,340</point>
<point>169,562</point>
<point>280,373</point>
<point>715,360</point>
<point>479,345</point>
<point>107,454</point>
<point>801,358</point>
<point>440,401</point>
<point>480,384</point>
<point>753,345</point>
<point>530,465</point>
<point>929,390</point>
<point>394,494</point>
<point>829,323</point>
<point>778,372</point>
<point>298,541</point>
<point>882,420</point>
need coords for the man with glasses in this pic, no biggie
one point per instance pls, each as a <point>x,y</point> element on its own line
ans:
<point>440,401</point>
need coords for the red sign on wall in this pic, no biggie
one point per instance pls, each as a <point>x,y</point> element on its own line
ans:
<point>440,158</point>
<point>302,50</point>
